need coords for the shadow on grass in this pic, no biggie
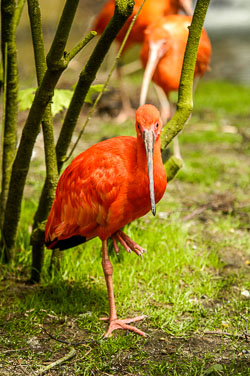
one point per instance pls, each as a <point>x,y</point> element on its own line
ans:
<point>61,297</point>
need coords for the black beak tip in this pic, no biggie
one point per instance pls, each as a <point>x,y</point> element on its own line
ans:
<point>154,211</point>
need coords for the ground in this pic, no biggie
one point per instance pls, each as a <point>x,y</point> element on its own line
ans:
<point>193,283</point>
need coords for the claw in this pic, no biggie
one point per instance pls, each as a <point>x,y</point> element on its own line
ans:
<point>123,324</point>
<point>128,243</point>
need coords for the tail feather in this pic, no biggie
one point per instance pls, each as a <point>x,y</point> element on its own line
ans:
<point>63,244</point>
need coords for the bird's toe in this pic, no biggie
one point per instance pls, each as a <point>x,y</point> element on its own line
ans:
<point>123,324</point>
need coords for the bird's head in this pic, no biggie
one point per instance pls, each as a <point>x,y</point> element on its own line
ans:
<point>148,128</point>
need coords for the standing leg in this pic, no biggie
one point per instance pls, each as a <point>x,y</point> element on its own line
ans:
<point>114,322</point>
<point>108,271</point>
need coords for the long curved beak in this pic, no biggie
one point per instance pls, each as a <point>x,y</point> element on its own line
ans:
<point>153,58</point>
<point>149,141</point>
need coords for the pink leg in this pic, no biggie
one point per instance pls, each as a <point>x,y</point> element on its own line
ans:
<point>127,111</point>
<point>128,243</point>
<point>114,322</point>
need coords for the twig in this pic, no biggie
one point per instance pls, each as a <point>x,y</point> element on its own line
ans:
<point>15,350</point>
<point>80,45</point>
<point>246,330</point>
<point>238,335</point>
<point>197,211</point>
<point>23,369</point>
<point>84,356</point>
<point>66,342</point>
<point>57,362</point>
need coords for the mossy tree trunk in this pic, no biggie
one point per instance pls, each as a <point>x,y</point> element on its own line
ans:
<point>10,15</point>
<point>48,136</point>
<point>57,62</point>
<point>185,92</point>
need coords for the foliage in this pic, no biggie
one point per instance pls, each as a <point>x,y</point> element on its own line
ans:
<point>61,98</point>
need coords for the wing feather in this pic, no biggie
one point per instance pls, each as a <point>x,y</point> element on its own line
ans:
<point>89,187</point>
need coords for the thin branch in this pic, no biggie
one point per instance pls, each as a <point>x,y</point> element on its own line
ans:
<point>23,369</point>
<point>66,342</point>
<point>196,212</point>
<point>18,12</point>
<point>68,356</point>
<point>246,330</point>
<point>15,350</point>
<point>237,335</point>
<point>91,111</point>
<point>81,45</point>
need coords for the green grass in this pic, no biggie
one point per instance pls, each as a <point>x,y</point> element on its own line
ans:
<point>190,281</point>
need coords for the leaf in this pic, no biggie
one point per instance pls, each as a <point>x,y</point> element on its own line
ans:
<point>60,100</point>
<point>94,89</point>
<point>25,98</point>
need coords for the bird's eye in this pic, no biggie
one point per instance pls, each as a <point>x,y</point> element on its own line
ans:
<point>156,125</point>
<point>138,126</point>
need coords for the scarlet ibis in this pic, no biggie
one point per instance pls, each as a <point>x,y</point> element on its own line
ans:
<point>162,56</point>
<point>103,189</point>
<point>150,12</point>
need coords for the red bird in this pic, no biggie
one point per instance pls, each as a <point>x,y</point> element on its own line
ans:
<point>103,189</point>
<point>163,51</point>
<point>150,12</point>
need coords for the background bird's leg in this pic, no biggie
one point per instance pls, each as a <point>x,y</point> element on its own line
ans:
<point>114,322</point>
<point>127,110</point>
<point>176,145</point>
<point>108,271</point>
<point>166,111</point>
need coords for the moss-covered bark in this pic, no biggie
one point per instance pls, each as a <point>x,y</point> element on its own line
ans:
<point>49,144</point>
<point>185,93</point>
<point>9,57</point>
<point>123,10</point>
<point>56,64</point>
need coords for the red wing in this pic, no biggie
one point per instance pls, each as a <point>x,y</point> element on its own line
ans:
<point>86,191</point>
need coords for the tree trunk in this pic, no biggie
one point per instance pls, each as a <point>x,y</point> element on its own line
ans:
<point>9,136</point>
<point>56,64</point>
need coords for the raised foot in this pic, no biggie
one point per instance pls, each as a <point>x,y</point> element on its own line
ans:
<point>123,324</point>
<point>128,244</point>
